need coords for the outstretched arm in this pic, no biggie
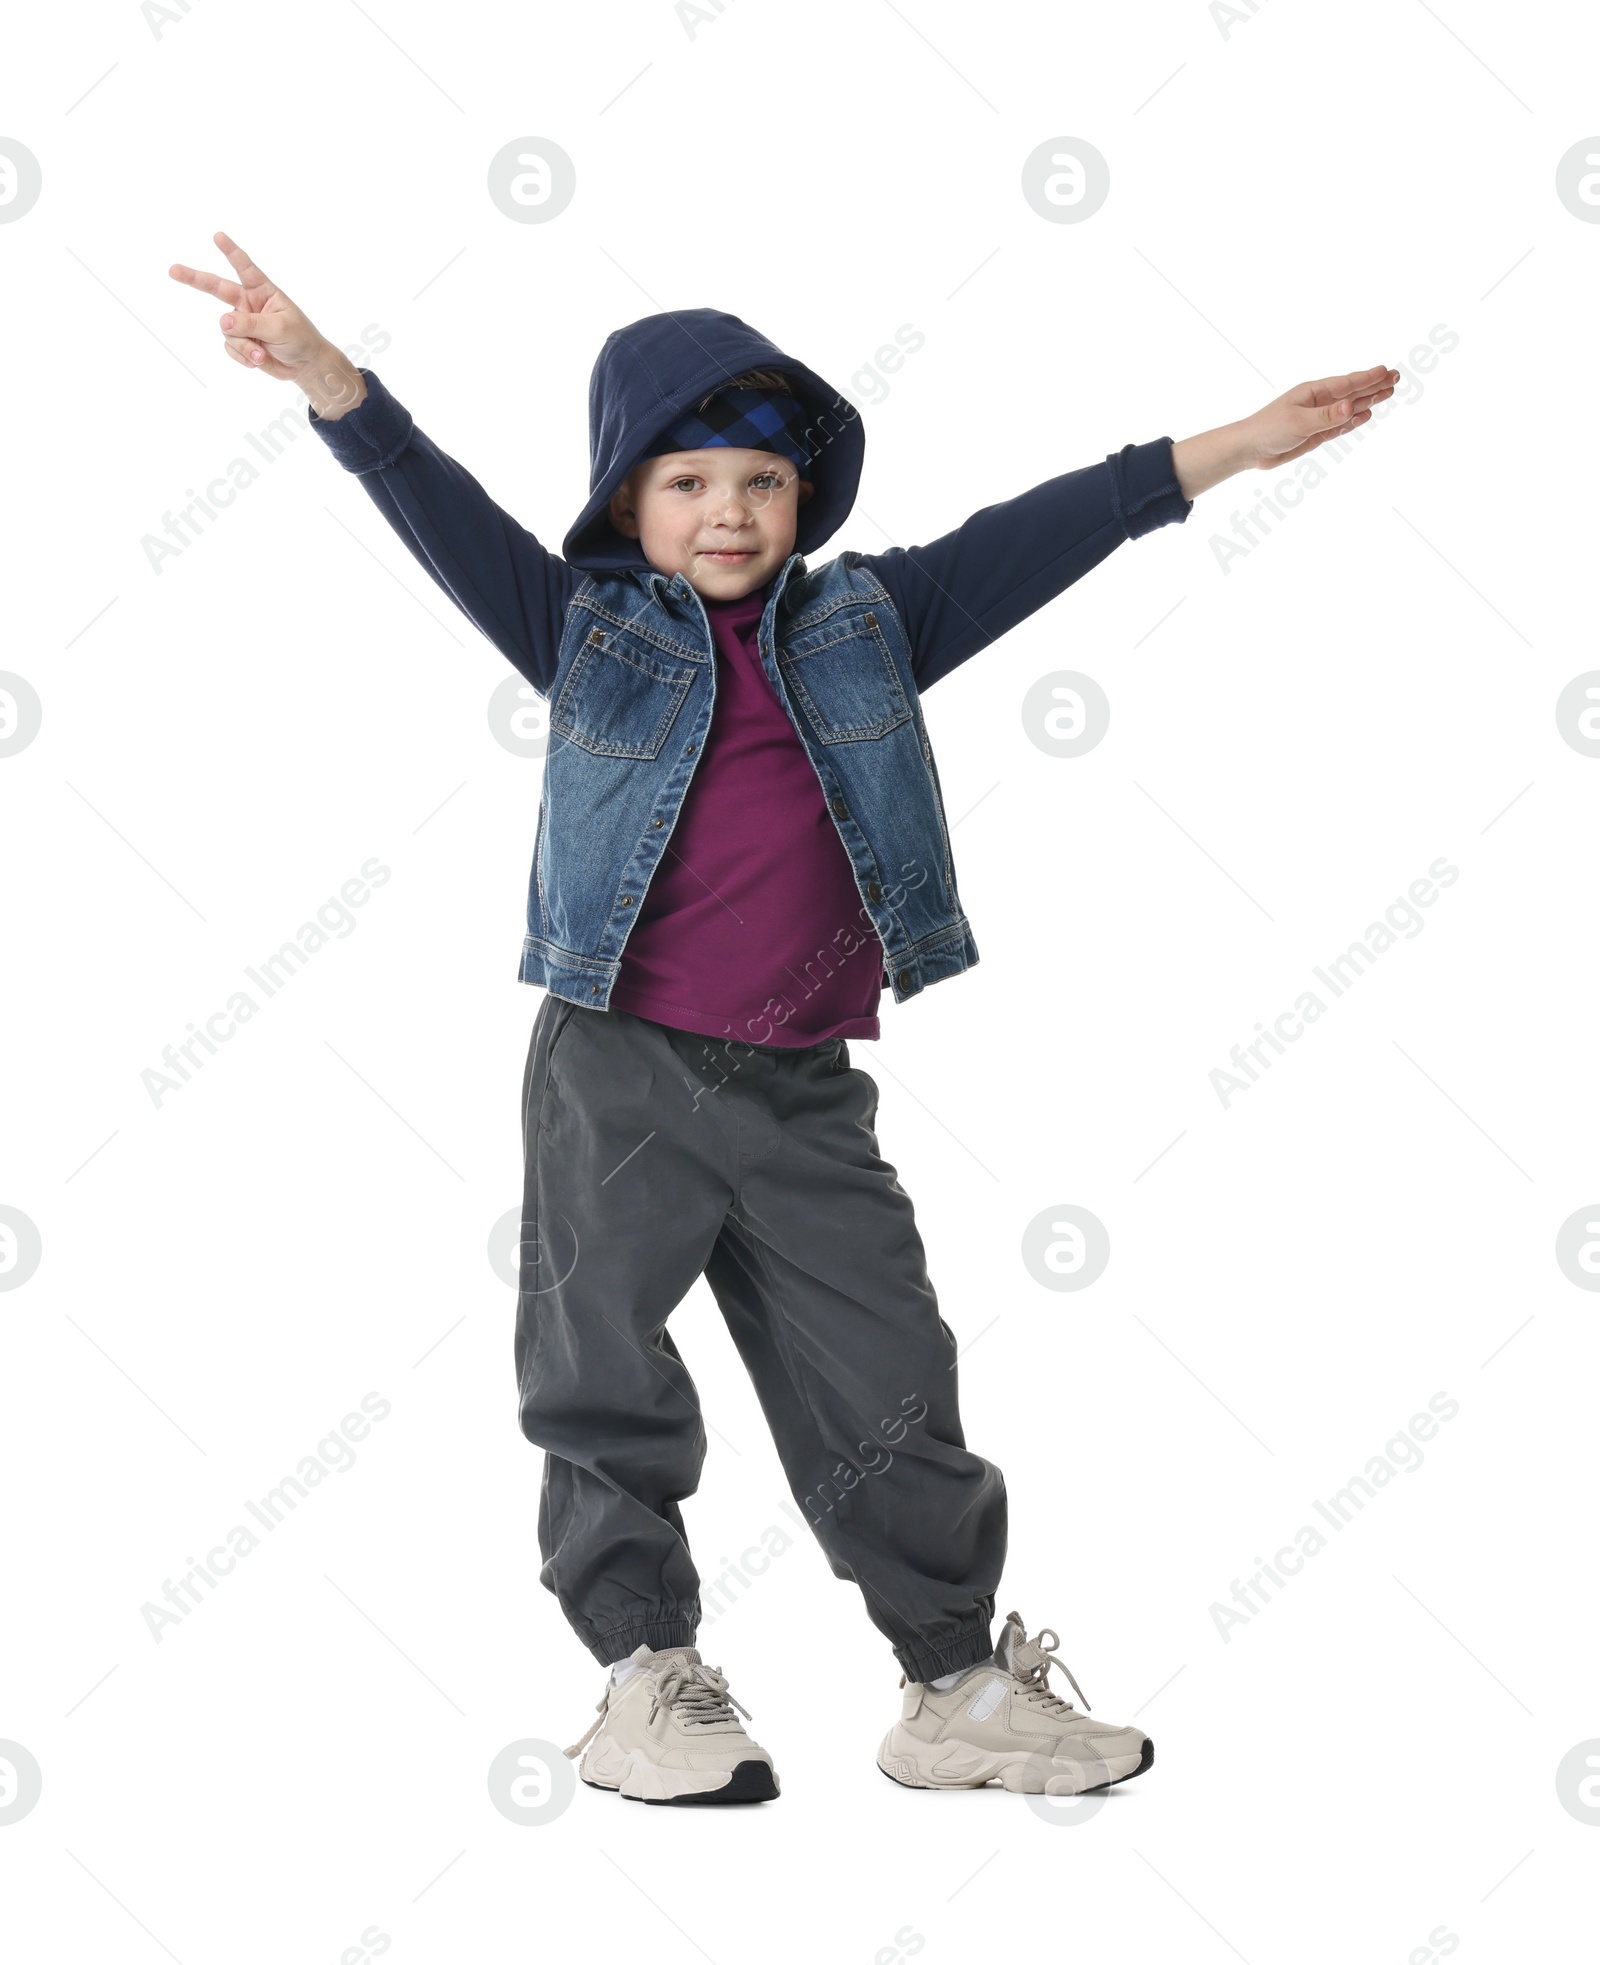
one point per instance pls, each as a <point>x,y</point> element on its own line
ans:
<point>965,589</point>
<point>495,570</point>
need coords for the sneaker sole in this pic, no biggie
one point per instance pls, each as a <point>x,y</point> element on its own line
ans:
<point>751,1780</point>
<point>899,1760</point>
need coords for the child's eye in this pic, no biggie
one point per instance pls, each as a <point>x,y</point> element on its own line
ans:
<point>773,479</point>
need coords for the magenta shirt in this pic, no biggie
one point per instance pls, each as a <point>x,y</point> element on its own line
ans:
<point>752,927</point>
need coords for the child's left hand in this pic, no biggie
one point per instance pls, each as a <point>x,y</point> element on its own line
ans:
<point>1297,421</point>
<point>1311,412</point>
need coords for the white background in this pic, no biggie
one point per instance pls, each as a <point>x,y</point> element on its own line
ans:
<point>1372,1758</point>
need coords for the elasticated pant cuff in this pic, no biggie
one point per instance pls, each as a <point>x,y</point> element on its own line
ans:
<point>973,1647</point>
<point>661,1634</point>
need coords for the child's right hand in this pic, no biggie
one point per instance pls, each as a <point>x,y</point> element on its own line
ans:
<point>265,330</point>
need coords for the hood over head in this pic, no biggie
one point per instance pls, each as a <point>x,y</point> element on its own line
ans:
<point>649,372</point>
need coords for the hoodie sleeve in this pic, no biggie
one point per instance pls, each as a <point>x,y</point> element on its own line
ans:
<point>974,584</point>
<point>508,585</point>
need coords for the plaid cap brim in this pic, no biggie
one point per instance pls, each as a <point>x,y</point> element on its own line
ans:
<point>741,419</point>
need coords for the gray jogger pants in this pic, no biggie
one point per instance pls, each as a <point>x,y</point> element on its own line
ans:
<point>652,1156</point>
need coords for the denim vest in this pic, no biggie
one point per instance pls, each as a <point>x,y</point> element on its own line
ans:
<point>630,706</point>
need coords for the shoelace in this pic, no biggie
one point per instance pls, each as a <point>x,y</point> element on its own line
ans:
<point>699,1693</point>
<point>1031,1659</point>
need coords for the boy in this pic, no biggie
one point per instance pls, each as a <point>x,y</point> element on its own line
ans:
<point>740,838</point>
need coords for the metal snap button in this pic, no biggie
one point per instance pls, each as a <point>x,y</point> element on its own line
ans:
<point>596,635</point>
<point>874,891</point>
<point>904,979</point>
<point>688,750</point>
<point>839,809</point>
<point>655,822</point>
<point>627,900</point>
<point>872,620</point>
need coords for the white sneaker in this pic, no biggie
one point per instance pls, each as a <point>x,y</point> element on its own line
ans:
<point>1002,1721</point>
<point>668,1734</point>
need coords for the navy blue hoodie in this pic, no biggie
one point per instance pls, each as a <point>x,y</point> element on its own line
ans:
<point>955,595</point>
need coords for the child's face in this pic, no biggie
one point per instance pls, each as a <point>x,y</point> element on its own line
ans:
<point>725,519</point>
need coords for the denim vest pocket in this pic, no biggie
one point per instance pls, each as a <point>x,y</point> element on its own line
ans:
<point>843,677</point>
<point>620,696</point>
